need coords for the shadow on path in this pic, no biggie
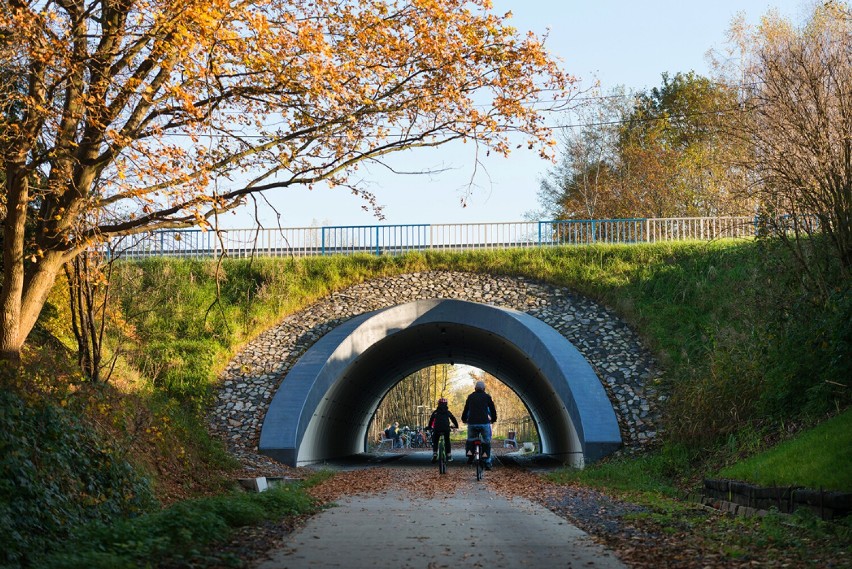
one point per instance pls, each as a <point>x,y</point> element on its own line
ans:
<point>422,458</point>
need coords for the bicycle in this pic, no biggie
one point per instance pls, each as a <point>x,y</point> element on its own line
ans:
<point>442,458</point>
<point>442,455</point>
<point>477,452</point>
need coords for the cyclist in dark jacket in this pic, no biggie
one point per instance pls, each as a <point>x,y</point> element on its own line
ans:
<point>479,411</point>
<point>439,422</point>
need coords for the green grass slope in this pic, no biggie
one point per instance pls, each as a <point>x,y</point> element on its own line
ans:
<point>744,344</point>
<point>817,458</point>
<point>747,349</point>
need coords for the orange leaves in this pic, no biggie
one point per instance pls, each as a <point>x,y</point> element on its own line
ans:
<point>190,91</point>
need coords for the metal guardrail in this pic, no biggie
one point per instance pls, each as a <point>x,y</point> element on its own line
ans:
<point>398,239</point>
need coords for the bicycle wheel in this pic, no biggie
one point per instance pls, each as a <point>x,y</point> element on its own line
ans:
<point>442,460</point>
<point>477,458</point>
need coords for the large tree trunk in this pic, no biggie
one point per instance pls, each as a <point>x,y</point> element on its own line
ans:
<point>23,294</point>
<point>11,294</point>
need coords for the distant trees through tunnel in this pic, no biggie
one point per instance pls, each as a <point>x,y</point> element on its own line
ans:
<point>412,400</point>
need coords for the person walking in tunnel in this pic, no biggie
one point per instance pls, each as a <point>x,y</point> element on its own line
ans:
<point>439,422</point>
<point>479,411</point>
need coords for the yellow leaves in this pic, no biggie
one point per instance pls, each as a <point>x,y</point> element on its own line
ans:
<point>336,80</point>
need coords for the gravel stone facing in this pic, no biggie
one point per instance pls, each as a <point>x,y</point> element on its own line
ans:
<point>625,367</point>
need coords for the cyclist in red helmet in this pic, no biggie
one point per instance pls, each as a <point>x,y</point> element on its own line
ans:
<point>440,422</point>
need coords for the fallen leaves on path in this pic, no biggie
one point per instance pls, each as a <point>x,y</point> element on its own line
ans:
<point>692,537</point>
<point>415,481</point>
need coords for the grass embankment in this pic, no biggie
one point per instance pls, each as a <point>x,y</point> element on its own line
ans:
<point>179,534</point>
<point>747,350</point>
<point>728,319</point>
<point>749,353</point>
<point>819,458</point>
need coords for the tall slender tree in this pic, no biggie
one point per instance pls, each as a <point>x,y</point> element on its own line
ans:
<point>582,183</point>
<point>796,93</point>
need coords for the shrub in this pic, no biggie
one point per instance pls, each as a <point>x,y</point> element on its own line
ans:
<point>179,533</point>
<point>55,474</point>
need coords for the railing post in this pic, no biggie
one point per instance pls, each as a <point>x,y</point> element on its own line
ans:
<point>322,241</point>
<point>539,232</point>
<point>378,252</point>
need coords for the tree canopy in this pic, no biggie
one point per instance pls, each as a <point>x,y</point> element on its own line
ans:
<point>795,86</point>
<point>125,116</point>
<point>654,153</point>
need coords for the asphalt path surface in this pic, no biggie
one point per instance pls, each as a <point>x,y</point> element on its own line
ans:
<point>469,527</point>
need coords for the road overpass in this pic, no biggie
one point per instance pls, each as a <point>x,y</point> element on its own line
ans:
<point>305,389</point>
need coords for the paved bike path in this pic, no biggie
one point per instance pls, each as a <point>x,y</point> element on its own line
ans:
<point>472,528</point>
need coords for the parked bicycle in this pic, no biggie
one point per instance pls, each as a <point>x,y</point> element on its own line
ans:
<point>419,439</point>
<point>413,438</point>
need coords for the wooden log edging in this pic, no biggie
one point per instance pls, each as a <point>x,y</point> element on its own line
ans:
<point>742,498</point>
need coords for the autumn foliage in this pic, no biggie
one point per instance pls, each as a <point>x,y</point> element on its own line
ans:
<point>125,116</point>
<point>798,123</point>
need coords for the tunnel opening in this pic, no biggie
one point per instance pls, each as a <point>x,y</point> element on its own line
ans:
<point>411,401</point>
<point>325,405</point>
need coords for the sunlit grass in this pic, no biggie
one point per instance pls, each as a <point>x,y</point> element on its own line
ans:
<point>819,458</point>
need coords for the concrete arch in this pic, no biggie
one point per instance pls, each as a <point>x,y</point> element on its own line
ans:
<point>323,409</point>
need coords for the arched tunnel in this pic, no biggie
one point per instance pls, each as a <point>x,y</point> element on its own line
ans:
<point>324,406</point>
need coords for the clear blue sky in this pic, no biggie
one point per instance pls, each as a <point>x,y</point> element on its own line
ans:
<point>619,42</point>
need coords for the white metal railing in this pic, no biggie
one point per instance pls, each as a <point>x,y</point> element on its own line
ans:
<point>448,236</point>
<point>701,228</point>
<point>395,239</point>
